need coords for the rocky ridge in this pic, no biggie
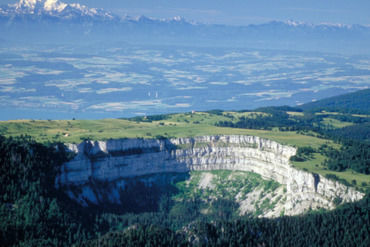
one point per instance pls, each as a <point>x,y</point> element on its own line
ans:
<point>112,161</point>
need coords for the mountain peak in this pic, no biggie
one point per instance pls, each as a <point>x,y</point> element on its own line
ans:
<point>39,5</point>
<point>34,9</point>
<point>54,8</point>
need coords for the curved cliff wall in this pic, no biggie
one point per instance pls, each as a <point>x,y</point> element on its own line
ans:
<point>113,160</point>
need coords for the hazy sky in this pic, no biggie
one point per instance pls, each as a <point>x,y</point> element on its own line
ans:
<point>240,12</point>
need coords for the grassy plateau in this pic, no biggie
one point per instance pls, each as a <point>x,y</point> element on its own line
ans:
<point>176,125</point>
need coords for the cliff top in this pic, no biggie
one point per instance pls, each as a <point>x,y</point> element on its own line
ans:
<point>185,125</point>
<point>174,125</point>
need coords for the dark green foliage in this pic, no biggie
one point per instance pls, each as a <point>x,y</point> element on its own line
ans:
<point>150,118</point>
<point>344,117</point>
<point>215,112</point>
<point>303,154</point>
<point>348,225</point>
<point>352,154</point>
<point>30,212</point>
<point>357,102</point>
<point>334,177</point>
<point>140,235</point>
<point>277,117</point>
<point>337,200</point>
<point>139,197</point>
<point>359,132</point>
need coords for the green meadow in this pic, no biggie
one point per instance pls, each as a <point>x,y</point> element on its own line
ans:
<point>174,125</point>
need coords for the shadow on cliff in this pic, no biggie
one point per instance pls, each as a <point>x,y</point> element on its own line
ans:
<point>151,193</point>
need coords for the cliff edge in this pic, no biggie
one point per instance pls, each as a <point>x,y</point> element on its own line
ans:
<point>112,161</point>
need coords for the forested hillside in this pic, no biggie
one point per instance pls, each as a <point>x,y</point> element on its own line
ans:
<point>356,102</point>
<point>34,213</point>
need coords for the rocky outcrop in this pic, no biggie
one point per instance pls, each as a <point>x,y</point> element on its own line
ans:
<point>113,160</point>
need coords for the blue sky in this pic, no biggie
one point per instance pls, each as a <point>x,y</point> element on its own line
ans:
<point>241,12</point>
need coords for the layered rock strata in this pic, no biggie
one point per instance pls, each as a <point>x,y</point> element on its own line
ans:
<point>114,160</point>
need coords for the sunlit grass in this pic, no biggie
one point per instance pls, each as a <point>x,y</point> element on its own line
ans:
<point>293,113</point>
<point>336,123</point>
<point>314,165</point>
<point>176,125</point>
<point>74,131</point>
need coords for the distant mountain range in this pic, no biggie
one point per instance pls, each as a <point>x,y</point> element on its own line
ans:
<point>44,10</point>
<point>55,21</point>
<point>34,9</point>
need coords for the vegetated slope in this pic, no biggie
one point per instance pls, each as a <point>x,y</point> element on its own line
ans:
<point>347,226</point>
<point>33,213</point>
<point>356,132</point>
<point>356,102</point>
<point>30,212</point>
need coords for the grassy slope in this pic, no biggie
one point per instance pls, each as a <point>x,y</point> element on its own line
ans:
<point>336,123</point>
<point>225,185</point>
<point>314,165</point>
<point>176,125</point>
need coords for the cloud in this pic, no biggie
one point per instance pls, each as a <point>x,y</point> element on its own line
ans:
<point>68,85</point>
<point>352,79</point>
<point>221,83</point>
<point>270,95</point>
<point>47,71</point>
<point>213,101</point>
<point>112,90</point>
<point>136,105</point>
<point>7,81</point>
<point>182,105</point>
<point>191,88</point>
<point>40,102</point>
<point>85,90</point>
<point>17,90</point>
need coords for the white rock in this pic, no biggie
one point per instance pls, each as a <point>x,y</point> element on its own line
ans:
<point>114,160</point>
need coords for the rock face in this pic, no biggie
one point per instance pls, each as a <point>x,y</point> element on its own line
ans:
<point>113,160</point>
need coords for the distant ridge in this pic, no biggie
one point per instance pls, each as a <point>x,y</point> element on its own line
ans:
<point>356,102</point>
<point>45,10</point>
<point>53,21</point>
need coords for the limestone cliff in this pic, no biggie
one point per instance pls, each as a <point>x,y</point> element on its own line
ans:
<point>113,160</point>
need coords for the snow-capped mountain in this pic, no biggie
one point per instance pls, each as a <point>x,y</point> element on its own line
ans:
<point>39,6</point>
<point>52,8</point>
<point>56,21</point>
<point>58,10</point>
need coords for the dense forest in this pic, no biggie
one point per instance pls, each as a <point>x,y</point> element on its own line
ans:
<point>31,211</point>
<point>356,102</point>
<point>34,213</point>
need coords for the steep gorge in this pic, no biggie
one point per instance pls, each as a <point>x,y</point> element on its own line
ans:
<point>112,162</point>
